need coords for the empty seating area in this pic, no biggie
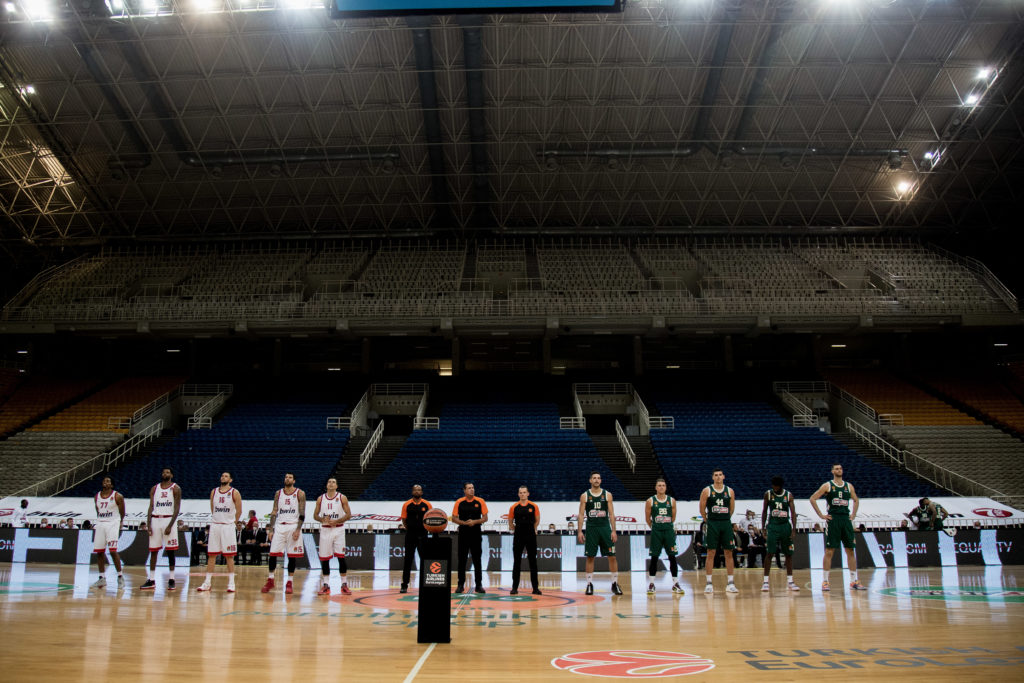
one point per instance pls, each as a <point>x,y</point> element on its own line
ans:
<point>890,395</point>
<point>697,277</point>
<point>982,393</point>
<point>119,400</point>
<point>751,443</point>
<point>30,457</point>
<point>979,452</point>
<point>38,396</point>
<point>256,442</point>
<point>497,446</point>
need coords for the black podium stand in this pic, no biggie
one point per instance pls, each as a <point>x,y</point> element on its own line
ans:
<point>435,603</point>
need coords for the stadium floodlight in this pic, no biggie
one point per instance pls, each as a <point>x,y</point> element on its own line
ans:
<point>903,186</point>
<point>203,5</point>
<point>11,7</point>
<point>150,6</point>
<point>972,99</point>
<point>984,73</point>
<point>27,90</point>
<point>38,10</point>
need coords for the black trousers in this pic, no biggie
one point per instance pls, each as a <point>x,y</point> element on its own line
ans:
<point>470,544</point>
<point>412,548</point>
<point>527,542</point>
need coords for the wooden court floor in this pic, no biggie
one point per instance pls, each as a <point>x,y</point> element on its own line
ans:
<point>920,624</point>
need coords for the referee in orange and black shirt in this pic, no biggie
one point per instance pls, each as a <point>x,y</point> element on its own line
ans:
<point>469,513</point>
<point>412,521</point>
<point>524,517</point>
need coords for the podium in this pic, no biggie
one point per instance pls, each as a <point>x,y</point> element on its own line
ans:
<point>435,602</point>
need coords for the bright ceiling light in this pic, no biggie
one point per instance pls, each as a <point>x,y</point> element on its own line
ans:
<point>839,346</point>
<point>203,5</point>
<point>38,10</point>
<point>150,6</point>
<point>10,7</point>
<point>27,90</point>
<point>972,98</point>
<point>984,73</point>
<point>1000,344</point>
<point>929,155</point>
<point>903,186</point>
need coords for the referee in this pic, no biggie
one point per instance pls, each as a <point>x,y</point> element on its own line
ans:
<point>469,513</point>
<point>412,521</point>
<point>524,517</point>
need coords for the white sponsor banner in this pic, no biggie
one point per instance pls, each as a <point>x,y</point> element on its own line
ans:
<point>873,513</point>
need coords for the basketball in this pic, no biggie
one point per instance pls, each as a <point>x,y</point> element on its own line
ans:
<point>435,520</point>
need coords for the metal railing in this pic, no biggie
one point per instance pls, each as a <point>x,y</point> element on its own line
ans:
<point>983,272</point>
<point>120,422</point>
<point>397,389</point>
<point>602,388</point>
<point>822,387</point>
<point>339,423</point>
<point>641,410</point>
<point>800,420</point>
<point>203,416</point>
<point>893,453</point>
<point>793,403</point>
<point>421,411</point>
<point>626,448</point>
<point>890,419</point>
<point>662,421</point>
<point>90,468</point>
<point>576,403</point>
<point>426,423</point>
<point>201,422</point>
<point>572,423</point>
<point>946,478</point>
<point>371,446</point>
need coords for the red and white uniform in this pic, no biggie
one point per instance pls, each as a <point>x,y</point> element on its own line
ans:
<point>285,525</point>
<point>163,511</point>
<point>108,523</point>
<point>332,538</point>
<point>223,540</point>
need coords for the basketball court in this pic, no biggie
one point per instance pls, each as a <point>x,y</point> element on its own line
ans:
<point>918,624</point>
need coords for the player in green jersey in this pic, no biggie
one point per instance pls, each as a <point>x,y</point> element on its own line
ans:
<point>838,523</point>
<point>717,503</point>
<point>660,512</point>
<point>777,518</point>
<point>598,514</point>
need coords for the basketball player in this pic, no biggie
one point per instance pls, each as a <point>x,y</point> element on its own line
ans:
<point>469,513</point>
<point>660,512</point>
<point>332,512</point>
<point>838,523</point>
<point>287,517</point>
<point>777,516</point>
<point>717,503</point>
<point>109,515</point>
<point>226,506</point>
<point>523,518</point>
<point>412,521</point>
<point>161,521</point>
<point>597,512</point>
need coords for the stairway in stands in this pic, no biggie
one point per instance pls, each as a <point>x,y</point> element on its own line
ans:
<point>351,481</point>
<point>639,483</point>
<point>852,442</point>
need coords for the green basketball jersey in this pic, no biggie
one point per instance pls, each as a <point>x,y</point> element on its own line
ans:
<point>661,512</point>
<point>717,506</point>
<point>838,498</point>
<point>924,514</point>
<point>596,509</point>
<point>778,508</point>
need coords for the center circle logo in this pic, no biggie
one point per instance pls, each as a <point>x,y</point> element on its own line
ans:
<point>633,663</point>
<point>500,601</point>
<point>435,567</point>
<point>955,593</point>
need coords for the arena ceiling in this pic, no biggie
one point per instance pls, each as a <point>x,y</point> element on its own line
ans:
<point>146,120</point>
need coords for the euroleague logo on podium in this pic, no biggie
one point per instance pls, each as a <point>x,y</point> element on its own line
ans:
<point>633,663</point>
<point>435,567</point>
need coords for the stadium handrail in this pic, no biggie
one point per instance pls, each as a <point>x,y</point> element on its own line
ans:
<point>58,483</point>
<point>371,446</point>
<point>890,451</point>
<point>626,448</point>
<point>33,285</point>
<point>983,272</point>
<point>947,479</point>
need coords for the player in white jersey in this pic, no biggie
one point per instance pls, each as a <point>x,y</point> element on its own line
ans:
<point>164,505</point>
<point>332,512</point>
<point>226,506</point>
<point>109,515</point>
<point>287,517</point>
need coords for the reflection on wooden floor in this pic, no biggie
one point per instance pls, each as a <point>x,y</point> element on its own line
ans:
<point>936,624</point>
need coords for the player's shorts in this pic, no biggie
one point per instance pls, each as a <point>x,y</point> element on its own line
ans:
<point>938,524</point>
<point>839,530</point>
<point>158,539</point>
<point>332,542</point>
<point>282,542</point>
<point>598,538</point>
<point>104,537</point>
<point>780,537</point>
<point>719,535</point>
<point>663,539</point>
<point>222,540</point>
